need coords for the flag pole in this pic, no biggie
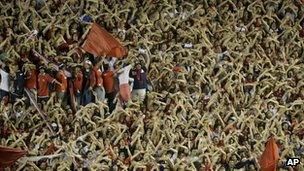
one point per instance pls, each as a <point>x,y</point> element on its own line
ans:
<point>38,109</point>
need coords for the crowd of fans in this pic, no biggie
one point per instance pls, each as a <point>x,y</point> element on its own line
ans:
<point>204,85</point>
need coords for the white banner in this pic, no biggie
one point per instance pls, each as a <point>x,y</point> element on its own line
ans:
<point>4,84</point>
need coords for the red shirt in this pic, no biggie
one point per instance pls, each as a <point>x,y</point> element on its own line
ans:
<point>109,81</point>
<point>78,82</point>
<point>61,77</point>
<point>177,69</point>
<point>5,132</point>
<point>92,79</point>
<point>43,82</point>
<point>98,75</point>
<point>31,81</point>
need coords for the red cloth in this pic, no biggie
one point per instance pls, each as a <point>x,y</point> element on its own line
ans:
<point>31,81</point>
<point>270,156</point>
<point>177,69</point>
<point>98,75</point>
<point>72,96</point>
<point>108,81</point>
<point>5,132</point>
<point>99,43</point>
<point>78,82</point>
<point>51,149</point>
<point>92,79</point>
<point>9,155</point>
<point>43,82</point>
<point>208,167</point>
<point>127,161</point>
<point>64,47</point>
<point>24,55</point>
<point>61,77</point>
<point>125,93</point>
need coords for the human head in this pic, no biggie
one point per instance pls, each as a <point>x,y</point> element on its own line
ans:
<point>87,64</point>
<point>41,70</point>
<point>106,67</point>
<point>138,66</point>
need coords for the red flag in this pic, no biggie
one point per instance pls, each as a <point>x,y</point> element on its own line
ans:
<point>9,155</point>
<point>100,43</point>
<point>270,156</point>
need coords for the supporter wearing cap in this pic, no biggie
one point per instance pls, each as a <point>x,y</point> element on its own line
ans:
<point>109,85</point>
<point>89,81</point>
<point>140,83</point>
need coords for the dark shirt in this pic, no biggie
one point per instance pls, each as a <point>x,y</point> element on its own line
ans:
<point>86,80</point>
<point>140,79</point>
<point>89,79</point>
<point>19,83</point>
<point>243,164</point>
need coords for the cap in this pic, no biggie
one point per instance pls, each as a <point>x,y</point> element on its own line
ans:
<point>88,62</point>
<point>286,122</point>
<point>54,125</point>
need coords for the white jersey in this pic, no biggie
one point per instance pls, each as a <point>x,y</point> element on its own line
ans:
<point>124,75</point>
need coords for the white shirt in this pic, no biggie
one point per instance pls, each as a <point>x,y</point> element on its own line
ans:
<point>122,30</point>
<point>173,14</point>
<point>173,157</point>
<point>188,45</point>
<point>18,114</point>
<point>240,29</point>
<point>124,75</point>
<point>111,63</point>
<point>221,55</point>
<point>142,51</point>
<point>273,111</point>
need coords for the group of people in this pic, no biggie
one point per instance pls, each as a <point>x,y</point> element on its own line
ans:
<point>224,76</point>
<point>92,82</point>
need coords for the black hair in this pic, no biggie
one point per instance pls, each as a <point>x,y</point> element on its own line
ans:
<point>106,67</point>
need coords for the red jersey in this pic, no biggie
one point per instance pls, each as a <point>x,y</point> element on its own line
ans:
<point>61,77</point>
<point>31,80</point>
<point>43,81</point>
<point>78,82</point>
<point>98,75</point>
<point>109,81</point>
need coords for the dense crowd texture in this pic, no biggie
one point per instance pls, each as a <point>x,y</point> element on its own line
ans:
<point>224,76</point>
